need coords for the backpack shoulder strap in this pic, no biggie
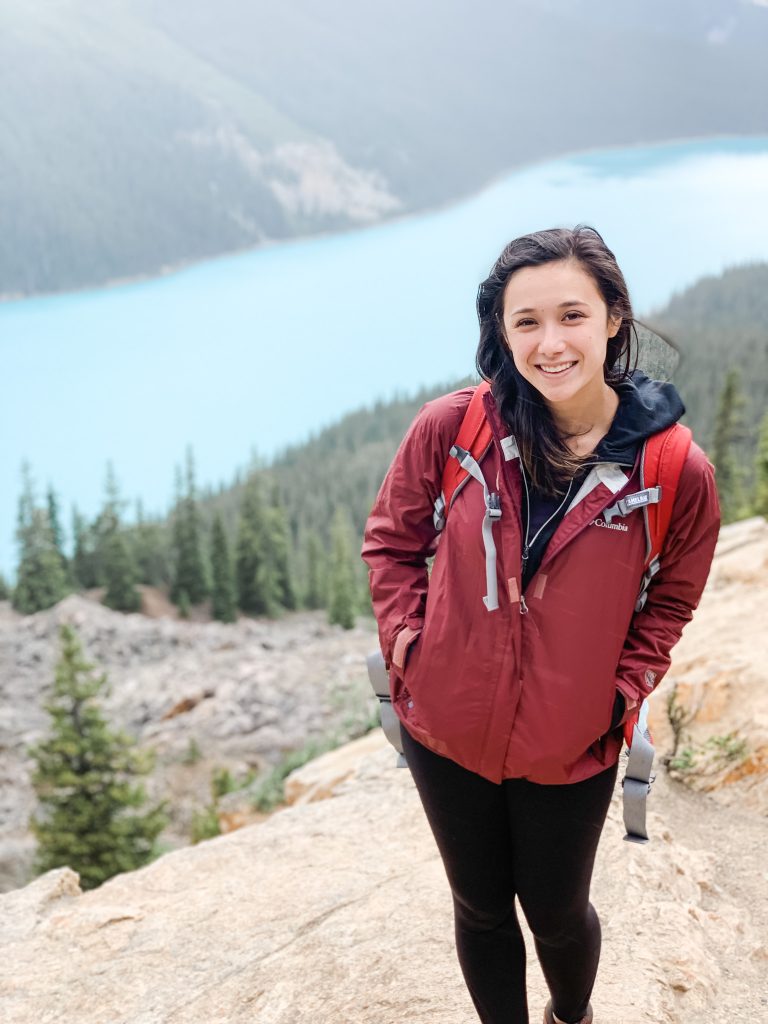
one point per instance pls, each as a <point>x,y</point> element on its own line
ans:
<point>475,437</point>
<point>662,463</point>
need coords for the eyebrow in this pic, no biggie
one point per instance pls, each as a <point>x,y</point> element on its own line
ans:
<point>562,305</point>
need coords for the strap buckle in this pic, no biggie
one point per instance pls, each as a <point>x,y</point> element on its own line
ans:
<point>493,506</point>
<point>640,499</point>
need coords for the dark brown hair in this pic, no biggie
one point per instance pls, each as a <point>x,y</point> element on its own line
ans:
<point>546,457</point>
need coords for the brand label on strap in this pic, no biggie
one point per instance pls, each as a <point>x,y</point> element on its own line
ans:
<point>639,498</point>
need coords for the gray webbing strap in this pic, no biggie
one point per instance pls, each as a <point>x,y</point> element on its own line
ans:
<point>637,785</point>
<point>438,516</point>
<point>648,575</point>
<point>492,513</point>
<point>390,723</point>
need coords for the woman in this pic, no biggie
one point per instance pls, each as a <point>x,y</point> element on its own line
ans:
<point>512,682</point>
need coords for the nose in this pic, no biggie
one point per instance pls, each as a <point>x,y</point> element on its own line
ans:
<point>551,341</point>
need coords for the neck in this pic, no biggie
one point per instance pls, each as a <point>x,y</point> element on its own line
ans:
<point>586,419</point>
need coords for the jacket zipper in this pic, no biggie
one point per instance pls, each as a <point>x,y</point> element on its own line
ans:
<point>623,465</point>
<point>527,541</point>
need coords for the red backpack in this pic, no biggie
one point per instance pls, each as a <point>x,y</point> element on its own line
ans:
<point>661,461</point>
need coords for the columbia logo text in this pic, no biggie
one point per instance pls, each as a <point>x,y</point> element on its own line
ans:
<point>610,526</point>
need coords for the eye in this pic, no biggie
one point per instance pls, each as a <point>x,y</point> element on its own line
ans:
<point>526,322</point>
<point>574,314</point>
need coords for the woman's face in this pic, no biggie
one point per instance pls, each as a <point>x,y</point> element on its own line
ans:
<point>557,327</point>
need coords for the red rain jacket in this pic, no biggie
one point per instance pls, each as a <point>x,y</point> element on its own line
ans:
<point>509,693</point>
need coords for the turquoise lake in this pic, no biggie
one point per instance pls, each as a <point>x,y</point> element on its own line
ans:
<point>256,351</point>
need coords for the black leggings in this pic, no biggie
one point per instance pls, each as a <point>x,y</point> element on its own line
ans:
<point>518,839</point>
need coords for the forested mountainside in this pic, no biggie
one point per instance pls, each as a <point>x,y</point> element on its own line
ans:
<point>296,523</point>
<point>141,134</point>
<point>720,323</point>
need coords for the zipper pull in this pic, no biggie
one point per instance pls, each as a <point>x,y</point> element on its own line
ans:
<point>523,605</point>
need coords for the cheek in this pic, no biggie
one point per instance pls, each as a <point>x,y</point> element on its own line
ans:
<point>596,348</point>
<point>521,353</point>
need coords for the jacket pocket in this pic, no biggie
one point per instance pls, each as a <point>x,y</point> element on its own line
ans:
<point>619,710</point>
<point>404,653</point>
<point>401,650</point>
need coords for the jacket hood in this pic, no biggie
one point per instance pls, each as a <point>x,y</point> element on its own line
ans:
<point>645,407</point>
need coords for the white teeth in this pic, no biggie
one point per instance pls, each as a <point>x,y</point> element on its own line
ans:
<point>558,368</point>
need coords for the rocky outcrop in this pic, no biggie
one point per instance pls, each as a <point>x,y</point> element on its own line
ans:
<point>321,777</point>
<point>709,716</point>
<point>337,912</point>
<point>200,695</point>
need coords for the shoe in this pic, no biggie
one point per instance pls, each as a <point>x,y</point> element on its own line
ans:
<point>549,1016</point>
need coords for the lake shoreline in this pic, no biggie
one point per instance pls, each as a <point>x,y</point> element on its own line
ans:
<point>262,353</point>
<point>183,266</point>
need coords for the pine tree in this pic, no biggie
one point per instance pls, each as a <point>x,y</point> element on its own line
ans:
<point>87,780</point>
<point>84,568</point>
<point>728,432</point>
<point>40,579</point>
<point>341,606</point>
<point>120,574</point>
<point>279,551</point>
<point>269,578</point>
<point>149,548</point>
<point>4,591</point>
<point>314,595</point>
<point>761,470</point>
<point>189,574</point>
<point>183,605</point>
<point>223,598</point>
<point>255,571</point>
<point>117,568</point>
<point>56,530</point>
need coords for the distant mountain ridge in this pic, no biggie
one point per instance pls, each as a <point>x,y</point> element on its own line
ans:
<point>718,323</point>
<point>142,134</point>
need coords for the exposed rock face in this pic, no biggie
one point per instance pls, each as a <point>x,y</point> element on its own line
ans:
<point>200,694</point>
<point>321,777</point>
<point>338,912</point>
<point>717,686</point>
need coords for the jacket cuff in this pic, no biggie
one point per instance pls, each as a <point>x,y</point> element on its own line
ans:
<point>403,641</point>
<point>628,701</point>
<point>631,694</point>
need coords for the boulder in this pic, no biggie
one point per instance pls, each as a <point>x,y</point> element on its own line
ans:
<point>338,911</point>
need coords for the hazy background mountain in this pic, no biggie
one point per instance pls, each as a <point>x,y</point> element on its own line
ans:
<point>138,134</point>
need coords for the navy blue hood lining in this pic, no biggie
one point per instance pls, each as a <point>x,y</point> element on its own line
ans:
<point>645,407</point>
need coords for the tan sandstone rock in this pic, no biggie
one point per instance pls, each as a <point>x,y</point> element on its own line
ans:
<point>338,912</point>
<point>717,685</point>
<point>320,778</point>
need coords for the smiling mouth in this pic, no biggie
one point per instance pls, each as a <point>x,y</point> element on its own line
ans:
<point>555,369</point>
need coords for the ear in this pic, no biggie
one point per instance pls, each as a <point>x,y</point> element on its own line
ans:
<point>614,323</point>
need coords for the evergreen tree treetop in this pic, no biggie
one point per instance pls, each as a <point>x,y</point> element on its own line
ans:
<point>728,432</point>
<point>342,602</point>
<point>223,597</point>
<point>761,470</point>
<point>189,576</point>
<point>86,778</point>
<point>40,579</point>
